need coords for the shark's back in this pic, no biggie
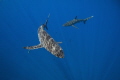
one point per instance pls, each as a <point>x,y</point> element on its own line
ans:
<point>50,44</point>
<point>72,22</point>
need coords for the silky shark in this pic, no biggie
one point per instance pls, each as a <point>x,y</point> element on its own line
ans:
<point>47,42</point>
<point>75,20</point>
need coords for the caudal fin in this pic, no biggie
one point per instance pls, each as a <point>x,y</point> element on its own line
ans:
<point>87,19</point>
<point>47,22</point>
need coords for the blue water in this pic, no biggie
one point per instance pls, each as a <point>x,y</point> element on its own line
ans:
<point>92,52</point>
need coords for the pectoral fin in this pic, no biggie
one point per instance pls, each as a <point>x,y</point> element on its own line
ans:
<point>33,47</point>
<point>75,26</point>
<point>84,21</point>
<point>59,42</point>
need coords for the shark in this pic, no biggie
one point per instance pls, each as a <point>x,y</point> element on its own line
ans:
<point>75,20</point>
<point>47,42</point>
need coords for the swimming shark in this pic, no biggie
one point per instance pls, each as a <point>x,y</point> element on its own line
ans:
<point>47,42</point>
<point>75,20</point>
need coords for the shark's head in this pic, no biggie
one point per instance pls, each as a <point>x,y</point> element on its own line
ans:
<point>63,25</point>
<point>66,24</point>
<point>59,54</point>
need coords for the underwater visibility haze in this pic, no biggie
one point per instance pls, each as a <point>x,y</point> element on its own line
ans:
<point>91,47</point>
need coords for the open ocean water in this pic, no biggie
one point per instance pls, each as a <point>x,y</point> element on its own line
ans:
<point>92,52</point>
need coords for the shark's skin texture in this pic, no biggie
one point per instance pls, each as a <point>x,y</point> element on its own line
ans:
<point>47,42</point>
<point>75,20</point>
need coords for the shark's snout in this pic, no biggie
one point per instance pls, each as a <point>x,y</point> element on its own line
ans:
<point>63,25</point>
<point>66,24</point>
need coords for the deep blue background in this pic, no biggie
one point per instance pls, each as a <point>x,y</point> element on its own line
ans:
<point>92,52</point>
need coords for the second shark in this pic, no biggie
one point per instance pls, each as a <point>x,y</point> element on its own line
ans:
<point>75,20</point>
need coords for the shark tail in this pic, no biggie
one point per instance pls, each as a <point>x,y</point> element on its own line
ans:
<point>33,47</point>
<point>87,19</point>
<point>45,24</point>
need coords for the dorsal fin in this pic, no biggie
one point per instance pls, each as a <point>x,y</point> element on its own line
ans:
<point>75,17</point>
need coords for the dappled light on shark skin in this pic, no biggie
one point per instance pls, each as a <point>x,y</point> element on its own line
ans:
<point>47,42</point>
